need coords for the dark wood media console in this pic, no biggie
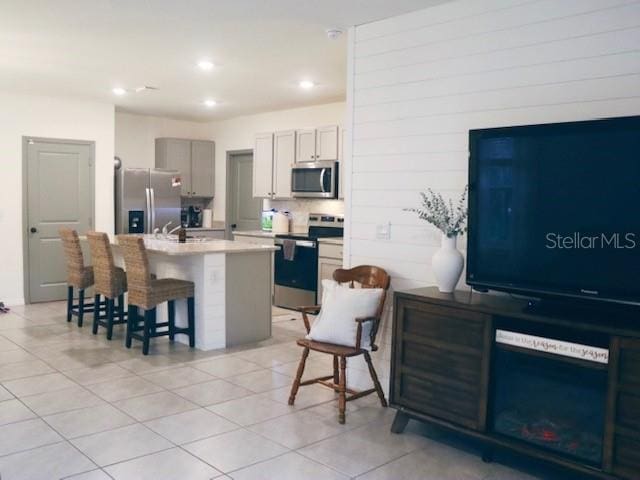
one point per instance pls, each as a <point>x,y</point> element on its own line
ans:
<point>579,413</point>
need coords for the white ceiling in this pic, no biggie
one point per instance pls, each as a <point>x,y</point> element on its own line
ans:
<point>84,48</point>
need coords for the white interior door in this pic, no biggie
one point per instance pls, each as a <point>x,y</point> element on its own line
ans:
<point>59,194</point>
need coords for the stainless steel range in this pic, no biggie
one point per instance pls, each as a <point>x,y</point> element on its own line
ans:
<point>296,262</point>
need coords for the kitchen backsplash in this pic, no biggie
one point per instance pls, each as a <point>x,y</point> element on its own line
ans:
<point>302,208</point>
<point>196,202</point>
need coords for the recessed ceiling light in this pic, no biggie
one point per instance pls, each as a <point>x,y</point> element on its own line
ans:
<point>210,103</point>
<point>306,84</point>
<point>205,65</point>
<point>119,91</point>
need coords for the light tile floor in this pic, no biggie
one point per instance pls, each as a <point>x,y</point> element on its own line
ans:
<point>74,405</point>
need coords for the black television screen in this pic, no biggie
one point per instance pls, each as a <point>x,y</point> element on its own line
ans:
<point>555,209</point>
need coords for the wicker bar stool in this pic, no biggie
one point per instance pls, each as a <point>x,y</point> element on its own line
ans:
<point>147,292</point>
<point>79,276</point>
<point>110,282</point>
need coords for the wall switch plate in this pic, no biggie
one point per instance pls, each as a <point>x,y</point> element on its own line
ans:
<point>383,231</point>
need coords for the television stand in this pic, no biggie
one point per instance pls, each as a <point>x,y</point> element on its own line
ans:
<point>562,385</point>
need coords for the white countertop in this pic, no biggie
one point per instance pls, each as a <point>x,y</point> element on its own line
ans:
<point>265,233</point>
<point>165,247</point>
<point>332,240</point>
<point>205,229</point>
<point>255,233</point>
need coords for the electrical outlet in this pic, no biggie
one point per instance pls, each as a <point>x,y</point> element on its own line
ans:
<point>383,231</point>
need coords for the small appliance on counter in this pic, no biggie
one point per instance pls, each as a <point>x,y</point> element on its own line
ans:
<point>195,217</point>
<point>184,216</point>
<point>207,218</point>
<point>266,219</point>
<point>280,222</point>
<point>296,262</point>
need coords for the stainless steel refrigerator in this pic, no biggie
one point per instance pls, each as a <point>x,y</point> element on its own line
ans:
<point>146,199</point>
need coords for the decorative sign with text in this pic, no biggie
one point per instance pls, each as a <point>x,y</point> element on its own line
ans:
<point>550,345</point>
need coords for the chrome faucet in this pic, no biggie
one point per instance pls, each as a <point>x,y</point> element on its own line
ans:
<point>165,228</point>
<point>175,229</point>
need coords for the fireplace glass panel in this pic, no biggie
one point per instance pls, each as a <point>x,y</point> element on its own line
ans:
<point>551,403</point>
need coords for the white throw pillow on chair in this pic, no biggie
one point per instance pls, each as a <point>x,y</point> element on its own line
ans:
<point>341,305</point>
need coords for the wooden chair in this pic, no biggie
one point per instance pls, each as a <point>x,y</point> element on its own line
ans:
<point>368,277</point>
<point>79,276</point>
<point>146,292</point>
<point>110,282</point>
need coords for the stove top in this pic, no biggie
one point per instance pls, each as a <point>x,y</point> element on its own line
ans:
<point>321,225</point>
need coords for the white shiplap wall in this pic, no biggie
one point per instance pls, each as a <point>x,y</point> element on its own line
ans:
<point>419,82</point>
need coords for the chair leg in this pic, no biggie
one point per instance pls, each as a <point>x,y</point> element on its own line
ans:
<point>342,390</point>
<point>296,382</point>
<point>121,306</point>
<point>192,321</point>
<point>96,313</point>
<point>80,307</point>
<point>110,312</point>
<point>69,302</point>
<point>374,377</point>
<point>171,310</point>
<point>336,372</point>
<point>132,322</point>
<point>149,323</point>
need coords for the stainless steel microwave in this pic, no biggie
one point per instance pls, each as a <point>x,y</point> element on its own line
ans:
<point>315,180</point>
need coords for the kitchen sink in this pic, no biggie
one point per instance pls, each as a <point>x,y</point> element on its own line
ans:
<point>174,238</point>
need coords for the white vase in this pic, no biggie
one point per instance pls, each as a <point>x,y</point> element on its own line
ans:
<point>447,264</point>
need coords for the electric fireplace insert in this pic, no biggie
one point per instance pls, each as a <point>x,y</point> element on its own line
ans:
<point>550,393</point>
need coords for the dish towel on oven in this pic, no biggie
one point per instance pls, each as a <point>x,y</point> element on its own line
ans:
<point>289,249</point>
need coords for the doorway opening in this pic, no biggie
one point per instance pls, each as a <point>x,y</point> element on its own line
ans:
<point>243,211</point>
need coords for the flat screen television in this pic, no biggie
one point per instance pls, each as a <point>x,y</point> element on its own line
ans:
<point>554,209</point>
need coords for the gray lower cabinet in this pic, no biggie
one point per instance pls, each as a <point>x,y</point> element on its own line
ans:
<point>195,159</point>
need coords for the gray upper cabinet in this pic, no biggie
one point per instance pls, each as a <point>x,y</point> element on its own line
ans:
<point>195,159</point>
<point>175,154</point>
<point>313,145</point>
<point>202,168</point>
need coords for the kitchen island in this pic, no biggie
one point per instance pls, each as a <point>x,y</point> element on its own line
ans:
<point>232,287</point>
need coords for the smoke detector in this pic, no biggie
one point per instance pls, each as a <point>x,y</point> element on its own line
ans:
<point>333,33</point>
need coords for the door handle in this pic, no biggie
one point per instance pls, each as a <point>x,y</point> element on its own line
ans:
<point>149,228</point>
<point>152,196</point>
<point>33,230</point>
<point>322,174</point>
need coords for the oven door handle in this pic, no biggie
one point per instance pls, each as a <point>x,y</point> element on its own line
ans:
<point>322,174</point>
<point>299,243</point>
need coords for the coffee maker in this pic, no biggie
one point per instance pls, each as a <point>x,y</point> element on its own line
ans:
<point>194,217</point>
